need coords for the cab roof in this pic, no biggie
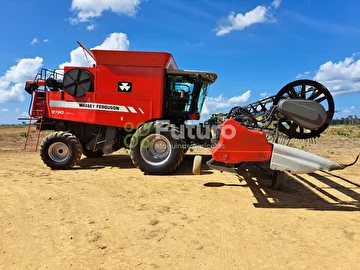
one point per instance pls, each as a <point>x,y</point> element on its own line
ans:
<point>192,73</point>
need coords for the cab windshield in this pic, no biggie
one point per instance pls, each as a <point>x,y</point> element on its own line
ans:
<point>185,94</point>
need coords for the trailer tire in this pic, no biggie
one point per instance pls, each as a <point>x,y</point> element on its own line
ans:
<point>60,150</point>
<point>278,180</point>
<point>157,148</point>
<point>197,164</point>
<point>92,154</point>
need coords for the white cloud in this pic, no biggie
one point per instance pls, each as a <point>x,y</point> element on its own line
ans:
<point>14,93</point>
<point>303,75</point>
<point>12,83</point>
<point>34,41</point>
<point>4,110</point>
<point>88,9</point>
<point>342,77</point>
<point>25,67</point>
<point>348,110</point>
<point>90,27</point>
<point>259,14</point>
<point>344,112</point>
<point>276,3</point>
<point>214,104</point>
<point>24,114</point>
<point>265,94</point>
<point>115,41</point>
<point>73,21</point>
<point>46,40</point>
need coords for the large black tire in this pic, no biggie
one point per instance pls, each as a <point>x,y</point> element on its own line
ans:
<point>60,150</point>
<point>157,148</point>
<point>91,154</point>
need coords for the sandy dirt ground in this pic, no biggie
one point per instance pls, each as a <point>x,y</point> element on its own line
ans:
<point>105,214</point>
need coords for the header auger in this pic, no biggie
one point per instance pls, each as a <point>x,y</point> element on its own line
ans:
<point>141,101</point>
<point>302,109</point>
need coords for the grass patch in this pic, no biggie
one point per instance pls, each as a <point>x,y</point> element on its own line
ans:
<point>342,133</point>
<point>12,126</point>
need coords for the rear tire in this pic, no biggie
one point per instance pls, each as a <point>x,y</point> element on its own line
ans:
<point>157,153</point>
<point>60,150</point>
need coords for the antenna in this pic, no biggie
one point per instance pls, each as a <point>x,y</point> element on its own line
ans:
<point>87,59</point>
<point>87,50</point>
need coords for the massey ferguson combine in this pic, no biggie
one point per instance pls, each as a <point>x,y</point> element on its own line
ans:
<point>141,101</point>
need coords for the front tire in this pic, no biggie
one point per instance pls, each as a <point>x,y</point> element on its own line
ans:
<point>157,148</point>
<point>60,150</point>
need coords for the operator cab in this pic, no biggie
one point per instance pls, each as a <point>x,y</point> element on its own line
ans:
<point>185,94</point>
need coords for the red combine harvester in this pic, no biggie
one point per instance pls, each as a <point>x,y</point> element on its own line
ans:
<point>141,101</point>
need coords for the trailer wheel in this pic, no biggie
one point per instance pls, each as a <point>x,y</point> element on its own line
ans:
<point>91,154</point>
<point>157,148</point>
<point>278,180</point>
<point>197,165</point>
<point>60,150</point>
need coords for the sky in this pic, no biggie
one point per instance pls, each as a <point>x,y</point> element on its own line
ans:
<point>255,47</point>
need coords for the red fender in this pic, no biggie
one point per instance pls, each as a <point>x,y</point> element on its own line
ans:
<point>239,144</point>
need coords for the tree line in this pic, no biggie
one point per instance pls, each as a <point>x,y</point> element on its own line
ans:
<point>350,120</point>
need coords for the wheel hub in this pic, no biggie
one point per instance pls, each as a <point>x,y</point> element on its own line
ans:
<point>59,152</point>
<point>160,147</point>
<point>155,149</point>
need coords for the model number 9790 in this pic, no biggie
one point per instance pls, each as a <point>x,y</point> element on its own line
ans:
<point>57,112</point>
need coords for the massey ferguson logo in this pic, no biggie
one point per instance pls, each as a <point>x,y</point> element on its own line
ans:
<point>124,86</point>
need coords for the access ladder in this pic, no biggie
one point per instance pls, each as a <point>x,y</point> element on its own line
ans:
<point>35,122</point>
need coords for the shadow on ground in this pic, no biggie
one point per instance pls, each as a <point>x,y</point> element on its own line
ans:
<point>315,191</point>
<point>123,161</point>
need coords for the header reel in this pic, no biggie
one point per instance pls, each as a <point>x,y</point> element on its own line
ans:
<point>302,109</point>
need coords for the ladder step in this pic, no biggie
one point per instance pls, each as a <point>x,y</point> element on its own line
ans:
<point>28,118</point>
<point>33,135</point>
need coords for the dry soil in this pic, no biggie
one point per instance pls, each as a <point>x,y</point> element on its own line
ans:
<point>105,214</point>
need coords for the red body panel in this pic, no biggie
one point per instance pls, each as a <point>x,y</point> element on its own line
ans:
<point>239,144</point>
<point>106,105</point>
<point>134,58</point>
